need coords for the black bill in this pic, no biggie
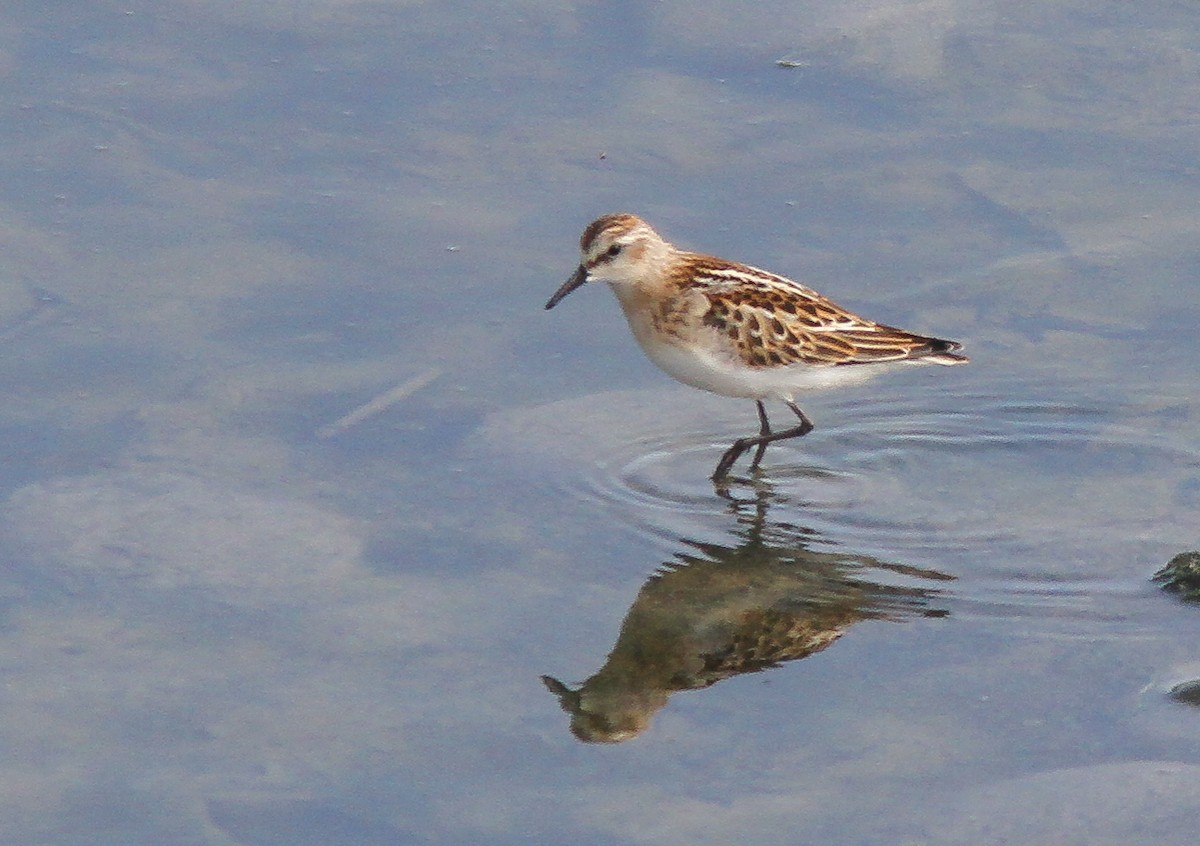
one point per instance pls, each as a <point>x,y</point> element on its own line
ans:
<point>577,279</point>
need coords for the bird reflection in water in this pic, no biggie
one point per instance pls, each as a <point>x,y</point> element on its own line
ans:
<point>717,611</point>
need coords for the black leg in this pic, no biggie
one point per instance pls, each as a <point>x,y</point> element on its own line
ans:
<point>765,436</point>
<point>805,426</point>
<point>764,430</point>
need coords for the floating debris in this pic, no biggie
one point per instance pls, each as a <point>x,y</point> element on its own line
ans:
<point>1181,575</point>
<point>1187,693</point>
<point>381,402</point>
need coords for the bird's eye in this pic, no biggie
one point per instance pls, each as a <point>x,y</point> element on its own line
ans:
<point>613,250</point>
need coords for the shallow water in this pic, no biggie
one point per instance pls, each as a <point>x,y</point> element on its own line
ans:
<point>304,493</point>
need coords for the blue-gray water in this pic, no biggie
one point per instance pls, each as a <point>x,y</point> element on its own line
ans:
<point>237,612</point>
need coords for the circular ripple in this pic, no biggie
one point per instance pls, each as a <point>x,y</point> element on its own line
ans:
<point>653,483</point>
<point>1039,505</point>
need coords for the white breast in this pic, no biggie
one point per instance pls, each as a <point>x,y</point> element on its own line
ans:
<point>722,374</point>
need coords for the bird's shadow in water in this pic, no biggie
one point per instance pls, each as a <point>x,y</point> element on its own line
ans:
<point>714,611</point>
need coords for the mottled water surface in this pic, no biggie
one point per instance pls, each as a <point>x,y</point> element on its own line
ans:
<point>303,493</point>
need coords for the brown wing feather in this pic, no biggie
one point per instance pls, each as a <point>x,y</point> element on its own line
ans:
<point>773,320</point>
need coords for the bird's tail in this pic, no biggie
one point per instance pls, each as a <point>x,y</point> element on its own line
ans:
<point>944,352</point>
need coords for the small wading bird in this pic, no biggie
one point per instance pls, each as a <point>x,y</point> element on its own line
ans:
<point>736,330</point>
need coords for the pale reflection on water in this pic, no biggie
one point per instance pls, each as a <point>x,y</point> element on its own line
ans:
<point>719,610</point>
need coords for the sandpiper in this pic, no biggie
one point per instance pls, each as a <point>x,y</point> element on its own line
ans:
<point>736,330</point>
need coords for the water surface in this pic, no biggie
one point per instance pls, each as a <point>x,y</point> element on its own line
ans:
<point>303,491</point>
